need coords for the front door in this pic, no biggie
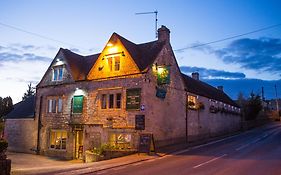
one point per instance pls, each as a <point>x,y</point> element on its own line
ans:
<point>78,144</point>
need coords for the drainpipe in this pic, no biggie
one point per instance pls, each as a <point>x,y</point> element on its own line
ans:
<point>186,115</point>
<point>39,125</point>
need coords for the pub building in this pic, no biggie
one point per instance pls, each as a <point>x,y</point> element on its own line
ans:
<point>125,91</point>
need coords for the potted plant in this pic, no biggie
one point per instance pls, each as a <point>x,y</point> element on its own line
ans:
<point>3,148</point>
<point>94,155</point>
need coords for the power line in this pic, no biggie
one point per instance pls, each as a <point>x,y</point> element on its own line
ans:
<point>228,38</point>
<point>39,35</point>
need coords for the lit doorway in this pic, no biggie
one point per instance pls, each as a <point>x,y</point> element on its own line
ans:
<point>78,144</point>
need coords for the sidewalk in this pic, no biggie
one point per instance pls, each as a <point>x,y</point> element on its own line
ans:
<point>36,164</point>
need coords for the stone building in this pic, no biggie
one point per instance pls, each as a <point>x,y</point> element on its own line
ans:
<point>21,127</point>
<point>126,90</point>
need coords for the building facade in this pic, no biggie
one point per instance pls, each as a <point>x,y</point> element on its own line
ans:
<point>126,90</point>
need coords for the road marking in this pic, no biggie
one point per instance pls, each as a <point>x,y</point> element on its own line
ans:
<point>242,147</point>
<point>209,161</point>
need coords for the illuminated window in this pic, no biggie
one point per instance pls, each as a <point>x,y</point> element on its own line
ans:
<point>118,100</point>
<point>191,102</point>
<point>121,140</point>
<point>103,101</point>
<point>114,63</point>
<point>58,139</point>
<point>77,104</point>
<point>57,73</point>
<point>111,101</point>
<point>117,63</point>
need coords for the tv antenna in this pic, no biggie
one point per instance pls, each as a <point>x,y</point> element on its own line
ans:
<point>156,19</point>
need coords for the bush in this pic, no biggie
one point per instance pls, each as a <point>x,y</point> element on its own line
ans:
<point>3,145</point>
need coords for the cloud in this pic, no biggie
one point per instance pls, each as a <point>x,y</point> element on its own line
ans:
<point>212,73</point>
<point>5,56</point>
<point>263,54</point>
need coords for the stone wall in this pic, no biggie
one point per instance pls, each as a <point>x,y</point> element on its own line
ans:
<point>21,135</point>
<point>202,124</point>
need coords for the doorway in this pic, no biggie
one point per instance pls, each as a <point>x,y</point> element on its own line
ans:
<point>78,144</point>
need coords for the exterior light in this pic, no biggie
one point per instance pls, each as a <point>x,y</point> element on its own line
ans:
<point>58,60</point>
<point>109,45</point>
<point>112,49</point>
<point>79,91</point>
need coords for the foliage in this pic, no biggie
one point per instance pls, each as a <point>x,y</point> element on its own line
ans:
<point>200,106</point>
<point>251,106</point>
<point>104,147</point>
<point>3,145</point>
<point>29,92</point>
<point>6,105</point>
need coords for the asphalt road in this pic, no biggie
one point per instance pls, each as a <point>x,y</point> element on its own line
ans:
<point>256,152</point>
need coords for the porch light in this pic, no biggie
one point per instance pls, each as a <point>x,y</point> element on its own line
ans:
<point>109,45</point>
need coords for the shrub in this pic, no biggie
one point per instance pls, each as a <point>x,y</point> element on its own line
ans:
<point>3,145</point>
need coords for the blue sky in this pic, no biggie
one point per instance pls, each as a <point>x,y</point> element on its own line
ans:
<point>85,26</point>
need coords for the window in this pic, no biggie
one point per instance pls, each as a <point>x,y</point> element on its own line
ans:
<point>59,105</point>
<point>111,100</point>
<point>58,139</point>
<point>114,63</point>
<point>121,140</point>
<point>57,73</point>
<point>117,63</point>
<point>55,105</point>
<point>191,102</point>
<point>110,63</point>
<point>103,101</point>
<point>77,104</point>
<point>118,100</point>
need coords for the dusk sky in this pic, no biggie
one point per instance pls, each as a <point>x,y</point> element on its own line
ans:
<point>31,33</point>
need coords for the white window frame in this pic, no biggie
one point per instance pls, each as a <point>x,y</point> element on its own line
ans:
<point>58,73</point>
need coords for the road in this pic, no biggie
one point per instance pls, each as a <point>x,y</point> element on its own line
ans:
<point>256,152</point>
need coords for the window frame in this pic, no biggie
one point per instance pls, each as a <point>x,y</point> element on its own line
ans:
<point>62,145</point>
<point>58,72</point>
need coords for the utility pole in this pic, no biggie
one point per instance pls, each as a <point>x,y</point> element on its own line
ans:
<point>156,19</point>
<point>277,105</point>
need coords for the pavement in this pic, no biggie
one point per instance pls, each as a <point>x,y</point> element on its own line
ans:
<point>36,164</point>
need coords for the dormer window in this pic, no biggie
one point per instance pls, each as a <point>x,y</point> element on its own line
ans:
<point>114,63</point>
<point>57,73</point>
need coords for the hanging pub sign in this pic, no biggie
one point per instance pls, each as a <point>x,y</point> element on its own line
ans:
<point>133,97</point>
<point>163,75</point>
<point>139,122</point>
<point>161,93</point>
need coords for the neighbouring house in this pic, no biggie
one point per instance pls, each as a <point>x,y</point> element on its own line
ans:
<point>21,128</point>
<point>126,90</point>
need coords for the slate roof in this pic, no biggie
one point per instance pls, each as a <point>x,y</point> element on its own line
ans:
<point>203,89</point>
<point>143,54</point>
<point>23,109</point>
<point>79,65</point>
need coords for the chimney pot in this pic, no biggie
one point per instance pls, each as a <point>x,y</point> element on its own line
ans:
<point>220,88</point>
<point>164,34</point>
<point>195,75</point>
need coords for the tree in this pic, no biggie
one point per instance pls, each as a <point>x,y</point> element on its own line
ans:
<point>253,107</point>
<point>29,92</point>
<point>6,105</point>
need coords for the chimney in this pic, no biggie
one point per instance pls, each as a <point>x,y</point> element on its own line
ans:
<point>164,34</point>
<point>220,88</point>
<point>195,75</point>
